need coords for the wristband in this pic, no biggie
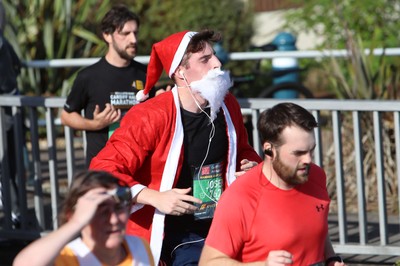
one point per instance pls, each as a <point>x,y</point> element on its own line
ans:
<point>333,258</point>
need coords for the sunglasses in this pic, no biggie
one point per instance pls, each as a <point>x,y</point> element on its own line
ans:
<point>121,195</point>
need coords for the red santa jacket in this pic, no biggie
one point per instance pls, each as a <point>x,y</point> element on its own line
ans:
<point>147,151</point>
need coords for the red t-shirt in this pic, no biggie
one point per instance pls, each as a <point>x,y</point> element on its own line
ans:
<point>254,217</point>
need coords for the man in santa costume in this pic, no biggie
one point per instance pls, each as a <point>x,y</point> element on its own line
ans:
<point>179,150</point>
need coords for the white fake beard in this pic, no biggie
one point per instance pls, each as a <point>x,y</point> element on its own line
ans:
<point>213,87</point>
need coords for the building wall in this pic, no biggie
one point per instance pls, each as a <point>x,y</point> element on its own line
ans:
<point>268,24</point>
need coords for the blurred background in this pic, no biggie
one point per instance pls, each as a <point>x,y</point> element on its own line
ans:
<point>69,29</point>
<point>58,29</point>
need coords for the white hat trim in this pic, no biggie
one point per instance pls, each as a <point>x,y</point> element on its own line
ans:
<point>180,51</point>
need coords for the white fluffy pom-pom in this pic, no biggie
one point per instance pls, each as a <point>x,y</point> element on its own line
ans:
<point>141,97</point>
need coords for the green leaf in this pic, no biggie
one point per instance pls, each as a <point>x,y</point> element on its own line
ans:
<point>86,35</point>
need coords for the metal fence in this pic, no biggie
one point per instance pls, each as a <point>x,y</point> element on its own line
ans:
<point>236,56</point>
<point>358,145</point>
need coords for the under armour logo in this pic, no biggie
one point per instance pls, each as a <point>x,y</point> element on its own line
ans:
<point>320,208</point>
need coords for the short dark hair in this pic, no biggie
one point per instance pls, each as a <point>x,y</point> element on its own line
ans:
<point>274,120</point>
<point>198,43</point>
<point>116,18</point>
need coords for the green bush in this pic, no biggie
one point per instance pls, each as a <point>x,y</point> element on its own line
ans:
<point>354,25</point>
<point>52,29</point>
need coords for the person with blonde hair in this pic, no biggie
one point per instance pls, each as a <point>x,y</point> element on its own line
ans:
<point>94,217</point>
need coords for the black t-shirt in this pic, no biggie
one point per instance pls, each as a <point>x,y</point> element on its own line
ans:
<point>197,129</point>
<point>93,86</point>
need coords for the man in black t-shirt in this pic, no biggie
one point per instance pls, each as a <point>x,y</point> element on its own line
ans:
<point>108,88</point>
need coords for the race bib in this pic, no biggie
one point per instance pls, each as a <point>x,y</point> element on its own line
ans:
<point>207,186</point>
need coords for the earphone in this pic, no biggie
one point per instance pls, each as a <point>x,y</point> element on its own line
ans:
<point>210,138</point>
<point>269,152</point>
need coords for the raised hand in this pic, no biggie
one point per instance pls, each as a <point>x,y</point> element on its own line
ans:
<point>106,117</point>
<point>87,205</point>
<point>160,91</point>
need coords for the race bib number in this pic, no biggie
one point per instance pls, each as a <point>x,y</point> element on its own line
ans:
<point>207,186</point>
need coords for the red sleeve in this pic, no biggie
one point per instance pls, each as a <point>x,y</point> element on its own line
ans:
<point>137,150</point>
<point>125,151</point>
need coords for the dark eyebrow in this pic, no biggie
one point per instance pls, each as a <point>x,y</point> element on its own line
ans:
<point>207,56</point>
<point>127,32</point>
<point>305,151</point>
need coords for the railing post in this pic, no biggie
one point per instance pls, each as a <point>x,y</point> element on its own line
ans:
<point>5,171</point>
<point>20,171</point>
<point>51,144</point>
<point>318,154</point>
<point>397,145</point>
<point>362,211</point>
<point>380,176</point>
<point>340,190</point>
<point>70,155</point>
<point>37,168</point>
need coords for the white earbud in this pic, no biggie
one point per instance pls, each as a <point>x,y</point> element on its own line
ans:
<point>181,73</point>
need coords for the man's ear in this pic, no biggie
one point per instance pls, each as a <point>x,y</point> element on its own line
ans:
<point>180,73</point>
<point>268,149</point>
<point>107,37</point>
<point>267,146</point>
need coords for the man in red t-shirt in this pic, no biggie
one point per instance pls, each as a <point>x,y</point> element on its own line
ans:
<point>277,213</point>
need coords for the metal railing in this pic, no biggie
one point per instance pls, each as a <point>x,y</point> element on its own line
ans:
<point>343,123</point>
<point>238,56</point>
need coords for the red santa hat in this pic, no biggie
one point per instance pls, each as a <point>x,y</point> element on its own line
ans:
<point>166,54</point>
